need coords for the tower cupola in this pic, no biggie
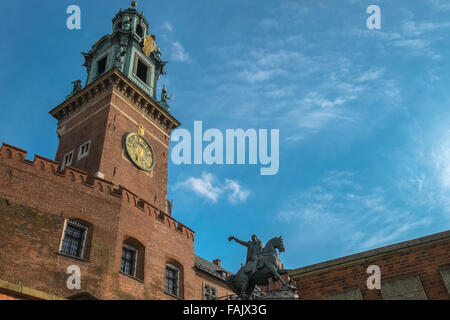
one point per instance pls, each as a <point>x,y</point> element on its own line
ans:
<point>130,49</point>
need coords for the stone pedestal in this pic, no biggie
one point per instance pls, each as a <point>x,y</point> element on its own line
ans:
<point>278,295</point>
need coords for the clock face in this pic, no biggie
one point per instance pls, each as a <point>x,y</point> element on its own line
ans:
<point>139,151</point>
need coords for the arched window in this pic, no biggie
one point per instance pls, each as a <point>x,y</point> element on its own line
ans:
<point>76,239</point>
<point>133,258</point>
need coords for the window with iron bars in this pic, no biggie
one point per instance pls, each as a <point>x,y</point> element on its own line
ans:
<point>129,260</point>
<point>74,238</point>
<point>209,292</point>
<point>172,280</point>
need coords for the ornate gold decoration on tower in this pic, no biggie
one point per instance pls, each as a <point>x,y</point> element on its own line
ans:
<point>149,45</point>
<point>141,130</point>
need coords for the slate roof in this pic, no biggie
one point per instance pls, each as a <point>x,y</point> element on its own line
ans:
<point>211,268</point>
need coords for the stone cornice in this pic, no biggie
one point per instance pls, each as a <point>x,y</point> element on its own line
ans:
<point>114,79</point>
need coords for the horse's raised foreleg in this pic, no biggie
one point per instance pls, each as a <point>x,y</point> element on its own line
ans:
<point>277,276</point>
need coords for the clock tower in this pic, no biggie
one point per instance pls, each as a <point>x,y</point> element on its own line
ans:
<point>115,128</point>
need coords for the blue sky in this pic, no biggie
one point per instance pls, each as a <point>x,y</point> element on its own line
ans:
<point>363,114</point>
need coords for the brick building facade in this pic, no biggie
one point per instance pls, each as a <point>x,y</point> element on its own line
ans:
<point>104,210</point>
<point>101,205</point>
<point>415,269</point>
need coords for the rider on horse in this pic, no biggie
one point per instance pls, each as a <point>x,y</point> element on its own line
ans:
<point>254,250</point>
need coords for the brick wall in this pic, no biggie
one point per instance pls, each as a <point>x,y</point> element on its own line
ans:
<point>105,121</point>
<point>423,258</point>
<point>36,200</point>
<point>202,278</point>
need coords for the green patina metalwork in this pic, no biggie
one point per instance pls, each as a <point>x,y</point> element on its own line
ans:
<point>164,98</point>
<point>123,49</point>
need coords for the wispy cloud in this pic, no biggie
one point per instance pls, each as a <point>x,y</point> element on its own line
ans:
<point>441,5</point>
<point>441,160</point>
<point>418,29</point>
<point>259,75</point>
<point>338,208</point>
<point>209,187</point>
<point>414,44</point>
<point>269,24</point>
<point>204,186</point>
<point>178,52</point>
<point>323,90</point>
<point>370,75</point>
<point>168,26</point>
<point>236,192</point>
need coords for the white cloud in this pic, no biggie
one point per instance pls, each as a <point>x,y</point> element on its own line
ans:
<point>209,187</point>
<point>370,75</point>
<point>306,94</point>
<point>417,29</point>
<point>256,76</point>
<point>168,26</point>
<point>315,99</point>
<point>414,44</point>
<point>339,209</point>
<point>203,186</point>
<point>237,193</point>
<point>441,160</point>
<point>440,5</point>
<point>179,53</point>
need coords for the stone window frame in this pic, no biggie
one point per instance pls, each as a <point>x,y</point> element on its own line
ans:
<point>130,247</point>
<point>82,155</point>
<point>77,224</point>
<point>65,163</point>
<point>344,295</point>
<point>176,269</point>
<point>206,295</point>
<point>140,25</point>
<point>138,58</point>
<point>104,56</point>
<point>415,277</point>
<point>445,269</point>
<point>132,243</point>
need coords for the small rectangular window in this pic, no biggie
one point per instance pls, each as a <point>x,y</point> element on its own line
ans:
<point>209,292</point>
<point>74,239</point>
<point>101,65</point>
<point>84,150</point>
<point>172,278</point>
<point>142,71</point>
<point>129,260</point>
<point>68,158</point>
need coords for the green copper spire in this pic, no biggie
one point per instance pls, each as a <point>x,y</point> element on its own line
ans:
<point>129,49</point>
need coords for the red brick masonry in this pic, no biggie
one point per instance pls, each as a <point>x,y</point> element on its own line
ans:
<point>425,257</point>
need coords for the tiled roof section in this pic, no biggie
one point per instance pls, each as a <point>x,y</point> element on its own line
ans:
<point>211,268</point>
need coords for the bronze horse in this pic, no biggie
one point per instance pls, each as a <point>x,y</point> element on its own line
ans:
<point>269,266</point>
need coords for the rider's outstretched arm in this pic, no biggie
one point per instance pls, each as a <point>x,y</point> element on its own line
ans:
<point>244,243</point>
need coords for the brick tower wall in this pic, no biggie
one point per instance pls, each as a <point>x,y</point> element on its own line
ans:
<point>35,201</point>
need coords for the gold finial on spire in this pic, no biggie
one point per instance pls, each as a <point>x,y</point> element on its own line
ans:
<point>133,4</point>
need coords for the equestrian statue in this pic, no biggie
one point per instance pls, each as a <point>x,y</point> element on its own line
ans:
<point>262,264</point>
